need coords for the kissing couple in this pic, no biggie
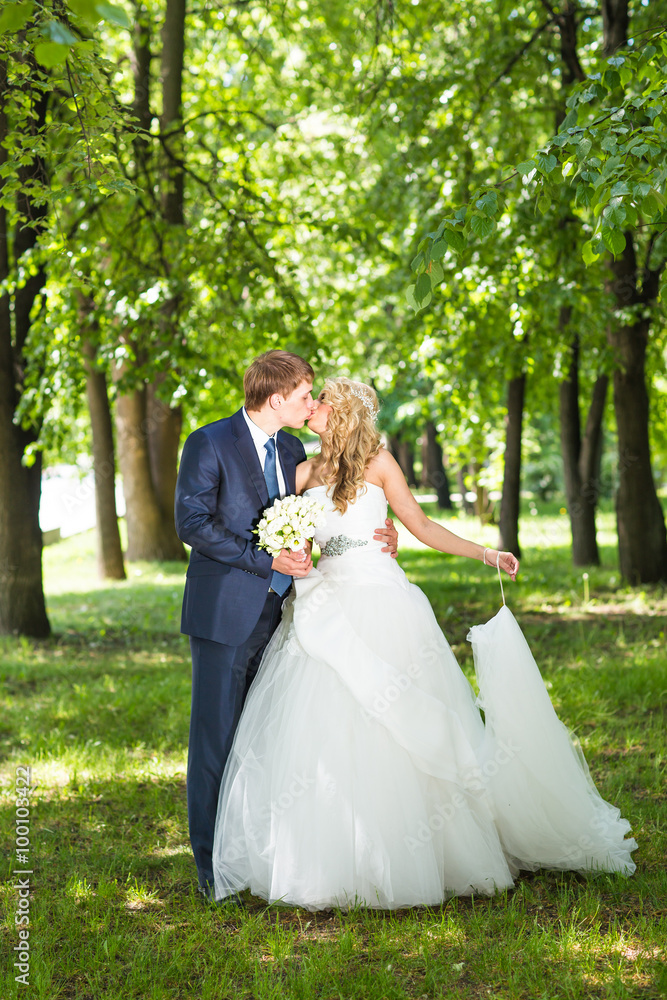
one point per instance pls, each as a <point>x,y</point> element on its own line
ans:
<point>337,754</point>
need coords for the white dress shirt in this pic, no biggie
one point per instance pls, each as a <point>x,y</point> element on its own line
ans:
<point>260,438</point>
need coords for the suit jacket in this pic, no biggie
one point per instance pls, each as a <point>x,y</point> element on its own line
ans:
<point>220,496</point>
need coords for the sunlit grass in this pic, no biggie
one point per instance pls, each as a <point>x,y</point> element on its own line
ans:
<point>100,712</point>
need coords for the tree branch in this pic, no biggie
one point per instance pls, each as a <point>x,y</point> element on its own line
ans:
<point>517,55</point>
<point>651,275</point>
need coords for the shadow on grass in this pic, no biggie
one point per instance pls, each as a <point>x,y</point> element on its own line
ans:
<point>115,914</point>
<point>101,712</point>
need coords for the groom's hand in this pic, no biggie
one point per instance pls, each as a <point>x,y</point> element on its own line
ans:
<point>389,536</point>
<point>293,563</point>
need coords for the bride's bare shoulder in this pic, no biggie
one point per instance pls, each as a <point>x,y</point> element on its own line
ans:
<point>306,474</point>
<point>379,467</point>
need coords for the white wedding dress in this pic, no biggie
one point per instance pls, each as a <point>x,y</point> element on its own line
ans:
<point>361,770</point>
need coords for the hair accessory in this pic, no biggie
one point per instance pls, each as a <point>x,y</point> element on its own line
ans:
<point>362,393</point>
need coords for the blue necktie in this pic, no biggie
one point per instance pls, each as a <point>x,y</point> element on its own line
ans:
<point>279,581</point>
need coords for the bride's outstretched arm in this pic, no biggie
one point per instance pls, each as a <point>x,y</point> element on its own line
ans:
<point>385,470</point>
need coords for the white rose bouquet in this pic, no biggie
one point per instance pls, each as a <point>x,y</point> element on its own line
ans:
<point>289,523</point>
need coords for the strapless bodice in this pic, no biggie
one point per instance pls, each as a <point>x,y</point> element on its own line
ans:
<point>346,532</point>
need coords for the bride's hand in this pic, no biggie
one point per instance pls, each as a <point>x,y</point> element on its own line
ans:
<point>508,562</point>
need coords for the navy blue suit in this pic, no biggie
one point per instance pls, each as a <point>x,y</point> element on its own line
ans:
<point>228,611</point>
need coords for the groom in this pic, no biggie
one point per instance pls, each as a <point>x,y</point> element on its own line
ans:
<point>230,471</point>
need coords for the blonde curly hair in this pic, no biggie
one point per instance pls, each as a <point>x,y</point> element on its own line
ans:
<point>351,438</point>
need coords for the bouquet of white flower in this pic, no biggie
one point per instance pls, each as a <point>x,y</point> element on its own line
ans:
<point>289,523</point>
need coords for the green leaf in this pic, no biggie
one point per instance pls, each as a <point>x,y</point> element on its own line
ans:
<point>423,290</point>
<point>544,203</point>
<point>660,198</point>
<point>588,95</point>
<point>584,147</point>
<point>626,75</point>
<point>546,162</point>
<point>630,216</point>
<point>436,273</point>
<point>85,8</point>
<point>614,240</point>
<point>588,253</point>
<point>51,53</point>
<point>455,239</point>
<point>584,194</point>
<point>417,262</point>
<point>410,297</point>
<point>439,249</point>
<point>15,16</point>
<point>569,121</point>
<point>110,12</point>
<point>650,206</point>
<point>482,226</point>
<point>526,167</point>
<point>489,203</point>
<point>57,32</point>
<point>615,214</point>
<point>612,79</point>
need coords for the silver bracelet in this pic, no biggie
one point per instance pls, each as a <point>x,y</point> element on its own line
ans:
<point>484,557</point>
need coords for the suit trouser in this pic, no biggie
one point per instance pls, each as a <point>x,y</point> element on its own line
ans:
<point>221,679</point>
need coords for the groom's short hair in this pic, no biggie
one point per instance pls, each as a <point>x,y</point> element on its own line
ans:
<point>274,371</point>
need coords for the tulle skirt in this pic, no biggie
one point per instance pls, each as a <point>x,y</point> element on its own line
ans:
<point>362,772</point>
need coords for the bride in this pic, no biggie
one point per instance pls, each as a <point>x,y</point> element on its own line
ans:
<point>361,770</point>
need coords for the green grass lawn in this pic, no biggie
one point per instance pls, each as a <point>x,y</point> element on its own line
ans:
<point>100,713</point>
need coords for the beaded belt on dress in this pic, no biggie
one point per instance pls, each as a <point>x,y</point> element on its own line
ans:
<point>341,543</point>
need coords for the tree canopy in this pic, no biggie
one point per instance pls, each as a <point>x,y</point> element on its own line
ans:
<point>464,205</point>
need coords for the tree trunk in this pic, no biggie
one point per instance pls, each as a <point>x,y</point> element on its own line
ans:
<point>173,51</point>
<point>641,525</point>
<point>642,540</point>
<point>482,505</point>
<point>511,501</point>
<point>590,461</point>
<point>433,470</point>
<point>109,551</point>
<point>403,453</point>
<point>468,507</point>
<point>581,473</point>
<point>22,605</point>
<point>581,458</point>
<point>615,22</point>
<point>145,527</point>
<point>148,429</point>
<point>164,425</point>
<point>140,59</point>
